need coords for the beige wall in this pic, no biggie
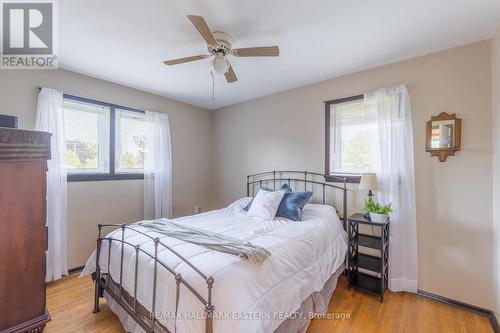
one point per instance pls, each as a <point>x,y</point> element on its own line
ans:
<point>454,199</point>
<point>495,79</point>
<point>90,203</point>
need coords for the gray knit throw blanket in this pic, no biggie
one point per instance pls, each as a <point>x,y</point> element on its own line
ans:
<point>208,239</point>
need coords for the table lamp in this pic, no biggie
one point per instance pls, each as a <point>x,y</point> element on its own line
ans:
<point>368,182</point>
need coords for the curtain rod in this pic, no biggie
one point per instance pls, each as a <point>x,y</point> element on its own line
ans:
<point>100,101</point>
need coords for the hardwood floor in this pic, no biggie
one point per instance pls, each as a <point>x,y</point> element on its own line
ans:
<point>70,303</point>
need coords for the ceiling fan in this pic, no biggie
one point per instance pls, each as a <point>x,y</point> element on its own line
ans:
<point>219,46</point>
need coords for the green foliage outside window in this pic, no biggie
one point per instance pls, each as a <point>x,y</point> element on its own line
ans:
<point>81,155</point>
<point>134,160</point>
<point>356,154</point>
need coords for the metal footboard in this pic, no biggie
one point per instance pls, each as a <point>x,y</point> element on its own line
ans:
<point>104,282</point>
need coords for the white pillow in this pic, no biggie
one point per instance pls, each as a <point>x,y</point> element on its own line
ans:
<point>265,204</point>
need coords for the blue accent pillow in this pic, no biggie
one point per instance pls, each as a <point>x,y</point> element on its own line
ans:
<point>291,205</point>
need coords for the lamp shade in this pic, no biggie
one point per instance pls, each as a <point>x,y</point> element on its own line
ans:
<point>220,65</point>
<point>368,181</point>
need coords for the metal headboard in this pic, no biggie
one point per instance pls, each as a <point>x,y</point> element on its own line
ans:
<point>275,177</point>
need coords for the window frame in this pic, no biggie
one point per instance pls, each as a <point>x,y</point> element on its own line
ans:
<point>111,175</point>
<point>334,176</point>
<point>118,145</point>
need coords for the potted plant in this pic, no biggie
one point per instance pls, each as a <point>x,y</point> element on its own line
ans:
<point>378,213</point>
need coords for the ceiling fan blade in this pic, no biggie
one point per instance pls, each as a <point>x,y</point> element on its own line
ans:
<point>185,59</point>
<point>202,27</point>
<point>230,76</point>
<point>266,51</point>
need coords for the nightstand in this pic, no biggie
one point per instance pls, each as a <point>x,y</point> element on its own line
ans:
<point>374,268</point>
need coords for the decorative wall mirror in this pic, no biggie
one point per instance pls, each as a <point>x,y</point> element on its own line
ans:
<point>443,135</point>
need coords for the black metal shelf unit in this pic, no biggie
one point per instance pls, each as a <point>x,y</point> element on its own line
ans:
<point>374,280</point>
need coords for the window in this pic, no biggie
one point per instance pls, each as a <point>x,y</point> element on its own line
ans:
<point>351,137</point>
<point>86,132</point>
<point>103,141</point>
<point>130,140</point>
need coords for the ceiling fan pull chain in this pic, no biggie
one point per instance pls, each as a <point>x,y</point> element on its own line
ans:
<point>213,85</point>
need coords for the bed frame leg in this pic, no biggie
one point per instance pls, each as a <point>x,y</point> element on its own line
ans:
<point>97,272</point>
<point>209,308</point>
<point>209,324</point>
<point>96,298</point>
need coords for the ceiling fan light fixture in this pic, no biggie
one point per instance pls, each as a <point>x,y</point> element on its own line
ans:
<point>220,65</point>
<point>219,45</point>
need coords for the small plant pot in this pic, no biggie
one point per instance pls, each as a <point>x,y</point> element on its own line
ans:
<point>380,218</point>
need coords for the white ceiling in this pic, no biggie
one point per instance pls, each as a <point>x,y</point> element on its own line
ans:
<point>125,41</point>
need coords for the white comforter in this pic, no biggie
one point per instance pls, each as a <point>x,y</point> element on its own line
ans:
<point>247,297</point>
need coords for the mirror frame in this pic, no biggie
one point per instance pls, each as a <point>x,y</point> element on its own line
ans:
<point>443,153</point>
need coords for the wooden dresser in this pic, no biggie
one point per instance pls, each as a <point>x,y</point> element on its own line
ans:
<point>23,234</point>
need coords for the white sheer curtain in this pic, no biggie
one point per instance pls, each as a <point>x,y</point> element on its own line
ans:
<point>50,118</point>
<point>157,167</point>
<point>396,179</point>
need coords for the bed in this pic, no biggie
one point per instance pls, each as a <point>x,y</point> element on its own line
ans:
<point>156,283</point>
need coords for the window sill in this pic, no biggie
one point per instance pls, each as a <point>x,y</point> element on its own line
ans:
<point>351,178</point>
<point>92,177</point>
